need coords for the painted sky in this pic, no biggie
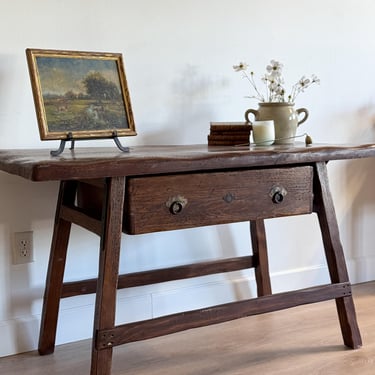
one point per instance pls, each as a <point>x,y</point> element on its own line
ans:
<point>61,74</point>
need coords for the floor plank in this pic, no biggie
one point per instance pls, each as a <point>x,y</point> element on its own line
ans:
<point>301,340</point>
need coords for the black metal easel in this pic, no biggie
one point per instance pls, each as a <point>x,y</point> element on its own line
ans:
<point>72,140</point>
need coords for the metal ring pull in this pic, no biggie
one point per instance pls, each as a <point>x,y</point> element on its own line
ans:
<point>176,208</point>
<point>278,194</point>
<point>176,204</point>
<point>277,198</point>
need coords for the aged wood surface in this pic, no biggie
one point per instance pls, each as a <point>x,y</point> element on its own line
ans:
<point>109,257</point>
<point>56,269</point>
<point>148,277</point>
<point>217,314</point>
<point>135,185</point>
<point>335,255</point>
<point>215,198</point>
<point>260,253</point>
<point>304,340</point>
<point>81,163</point>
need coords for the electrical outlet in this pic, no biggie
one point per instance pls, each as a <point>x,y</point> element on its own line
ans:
<point>23,248</point>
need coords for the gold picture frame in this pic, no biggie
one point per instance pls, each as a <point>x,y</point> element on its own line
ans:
<point>80,95</point>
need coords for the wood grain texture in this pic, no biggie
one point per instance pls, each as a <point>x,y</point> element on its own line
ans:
<point>110,243</point>
<point>92,163</point>
<point>218,314</point>
<point>220,184</point>
<point>335,255</point>
<point>302,340</point>
<point>130,280</point>
<point>260,253</point>
<point>56,267</point>
<point>215,198</point>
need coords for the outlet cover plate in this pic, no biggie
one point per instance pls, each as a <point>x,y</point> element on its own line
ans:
<point>23,247</point>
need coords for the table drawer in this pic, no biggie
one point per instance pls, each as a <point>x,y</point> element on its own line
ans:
<point>160,203</point>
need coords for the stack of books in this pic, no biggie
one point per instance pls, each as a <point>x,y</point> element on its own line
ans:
<point>229,134</point>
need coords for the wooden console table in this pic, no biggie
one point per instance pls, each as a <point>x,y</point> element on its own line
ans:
<point>159,188</point>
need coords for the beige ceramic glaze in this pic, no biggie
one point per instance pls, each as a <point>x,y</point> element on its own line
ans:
<point>285,117</point>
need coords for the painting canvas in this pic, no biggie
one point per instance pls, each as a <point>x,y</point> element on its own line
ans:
<point>80,94</point>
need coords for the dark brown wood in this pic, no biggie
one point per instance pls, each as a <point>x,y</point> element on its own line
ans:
<point>56,269</point>
<point>215,198</point>
<point>211,181</point>
<point>259,244</point>
<point>90,196</point>
<point>218,314</point>
<point>94,163</point>
<point>75,288</point>
<point>323,205</point>
<point>105,305</point>
<point>79,217</point>
<point>296,341</point>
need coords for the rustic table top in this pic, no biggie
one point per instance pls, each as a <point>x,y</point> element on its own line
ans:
<point>99,162</point>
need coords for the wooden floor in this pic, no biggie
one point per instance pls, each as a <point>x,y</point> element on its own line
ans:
<point>302,340</point>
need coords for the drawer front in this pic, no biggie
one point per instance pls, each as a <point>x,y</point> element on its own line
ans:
<point>159,203</point>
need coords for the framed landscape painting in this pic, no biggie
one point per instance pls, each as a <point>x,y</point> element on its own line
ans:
<point>80,95</point>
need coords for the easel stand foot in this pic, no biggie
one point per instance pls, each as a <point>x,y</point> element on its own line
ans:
<point>70,138</point>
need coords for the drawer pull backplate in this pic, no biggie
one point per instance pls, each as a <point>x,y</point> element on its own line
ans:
<point>176,204</point>
<point>278,194</point>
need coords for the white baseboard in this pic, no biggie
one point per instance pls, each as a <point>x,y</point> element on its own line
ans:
<point>76,314</point>
<point>361,269</point>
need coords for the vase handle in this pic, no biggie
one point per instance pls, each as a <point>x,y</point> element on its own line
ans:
<point>254,112</point>
<point>305,111</point>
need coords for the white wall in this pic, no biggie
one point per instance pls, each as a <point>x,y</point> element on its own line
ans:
<point>178,62</point>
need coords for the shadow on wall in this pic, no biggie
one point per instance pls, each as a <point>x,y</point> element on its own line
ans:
<point>359,186</point>
<point>190,108</point>
<point>191,99</point>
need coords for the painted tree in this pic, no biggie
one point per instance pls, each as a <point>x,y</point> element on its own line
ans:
<point>99,88</point>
